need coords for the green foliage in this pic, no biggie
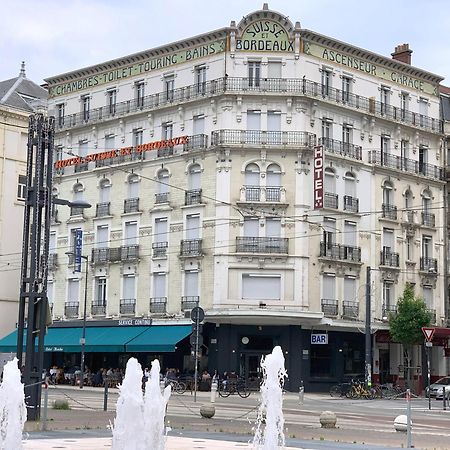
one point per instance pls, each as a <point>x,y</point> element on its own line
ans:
<point>412,314</point>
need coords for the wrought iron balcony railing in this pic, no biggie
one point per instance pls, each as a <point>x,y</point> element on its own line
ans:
<point>389,309</point>
<point>350,309</point>
<point>262,245</point>
<point>351,204</point>
<point>52,261</point>
<point>162,197</point>
<point>127,306</point>
<point>158,305</point>
<point>341,148</point>
<point>275,194</point>
<point>196,142</point>
<point>115,254</point>
<point>389,259</point>
<point>388,211</point>
<point>428,265</point>
<point>191,247</point>
<point>189,302</point>
<point>289,86</point>
<point>330,200</point>
<point>103,209</point>
<point>98,309</point>
<point>340,252</point>
<point>406,165</point>
<point>131,205</point>
<point>76,211</point>
<point>71,309</point>
<point>329,307</point>
<point>193,197</point>
<point>281,139</point>
<point>100,255</point>
<point>160,249</point>
<point>129,252</point>
<point>428,219</point>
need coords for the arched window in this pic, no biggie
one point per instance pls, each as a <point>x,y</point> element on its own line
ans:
<point>78,192</point>
<point>273,175</point>
<point>162,186</point>
<point>252,175</point>
<point>426,201</point>
<point>408,200</point>
<point>194,177</point>
<point>133,186</point>
<point>105,191</point>
<point>388,193</point>
<point>330,181</point>
<point>350,185</point>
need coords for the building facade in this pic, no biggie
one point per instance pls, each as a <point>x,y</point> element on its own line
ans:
<point>198,158</point>
<point>19,97</point>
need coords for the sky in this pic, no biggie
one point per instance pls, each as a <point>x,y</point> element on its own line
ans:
<point>58,36</point>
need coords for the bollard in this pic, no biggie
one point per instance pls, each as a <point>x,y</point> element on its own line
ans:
<point>443,398</point>
<point>301,393</point>
<point>105,397</point>
<point>213,391</point>
<point>44,412</point>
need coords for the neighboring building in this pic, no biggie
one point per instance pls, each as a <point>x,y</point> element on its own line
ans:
<point>202,187</point>
<point>19,97</point>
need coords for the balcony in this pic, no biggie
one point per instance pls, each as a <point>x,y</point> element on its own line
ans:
<point>406,165</point>
<point>71,309</point>
<point>83,167</point>
<point>351,204</point>
<point>193,197</point>
<point>103,209</point>
<point>252,193</point>
<point>129,253</point>
<point>408,217</point>
<point>158,305</point>
<point>162,197</point>
<point>270,194</point>
<point>389,259</point>
<point>428,265</point>
<point>257,138</point>
<point>98,309</point>
<point>330,200</point>
<point>131,205</point>
<point>262,245</point>
<point>160,249</point>
<point>76,211</point>
<point>127,306</point>
<point>52,261</point>
<point>130,157</point>
<point>428,219</point>
<point>340,252</point>
<point>341,148</point>
<point>191,247</point>
<point>329,307</point>
<point>164,152</point>
<point>196,142</point>
<point>100,255</point>
<point>388,211</point>
<point>189,302</point>
<point>350,310</point>
<point>389,309</point>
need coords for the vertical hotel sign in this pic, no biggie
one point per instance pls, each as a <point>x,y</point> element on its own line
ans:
<point>318,177</point>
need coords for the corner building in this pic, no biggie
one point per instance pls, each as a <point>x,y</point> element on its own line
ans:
<point>198,160</point>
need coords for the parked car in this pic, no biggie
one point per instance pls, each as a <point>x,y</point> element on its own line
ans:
<point>436,389</point>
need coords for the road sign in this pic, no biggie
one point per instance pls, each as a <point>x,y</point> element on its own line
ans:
<point>197,314</point>
<point>428,333</point>
<point>193,339</point>
<point>197,328</point>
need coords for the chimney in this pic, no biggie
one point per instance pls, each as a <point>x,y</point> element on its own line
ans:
<point>402,53</point>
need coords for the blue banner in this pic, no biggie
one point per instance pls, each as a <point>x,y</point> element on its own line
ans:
<point>78,249</point>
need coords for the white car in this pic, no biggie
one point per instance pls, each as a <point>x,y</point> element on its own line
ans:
<point>436,389</point>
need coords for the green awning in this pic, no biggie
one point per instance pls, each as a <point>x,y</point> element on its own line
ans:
<point>106,339</point>
<point>159,339</point>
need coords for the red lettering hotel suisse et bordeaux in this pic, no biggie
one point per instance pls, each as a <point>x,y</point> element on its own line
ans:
<point>121,152</point>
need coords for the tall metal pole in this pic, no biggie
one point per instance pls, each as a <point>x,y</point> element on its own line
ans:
<point>197,324</point>
<point>83,334</point>
<point>368,355</point>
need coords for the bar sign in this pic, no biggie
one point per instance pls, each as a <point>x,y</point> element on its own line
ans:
<point>78,249</point>
<point>318,177</point>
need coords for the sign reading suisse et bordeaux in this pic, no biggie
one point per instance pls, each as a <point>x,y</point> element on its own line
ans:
<point>111,154</point>
<point>265,36</point>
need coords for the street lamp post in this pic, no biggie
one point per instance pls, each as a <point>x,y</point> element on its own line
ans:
<point>368,334</point>
<point>83,332</point>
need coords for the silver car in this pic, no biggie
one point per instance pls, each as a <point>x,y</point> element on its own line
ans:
<point>436,389</point>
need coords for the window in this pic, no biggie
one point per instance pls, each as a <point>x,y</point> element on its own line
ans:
<point>274,127</point>
<point>194,177</point>
<point>273,227</point>
<point>73,290</point>
<point>274,70</point>
<point>326,82</point>
<point>198,125</point>
<point>321,361</point>
<point>385,140</point>
<point>384,99</point>
<point>52,242</point>
<point>251,227</point>
<point>329,286</point>
<point>252,175</point>
<point>139,89</point>
<point>388,240</point>
<point>22,188</point>
<point>253,120</point>
<point>426,247</point>
<point>85,107</point>
<point>261,287</point>
<point>200,79</point>
<point>273,176</point>
<point>131,233</point>
<point>105,191</point>
<point>388,193</point>
<point>133,186</point>
<point>60,107</point>
<point>404,154</point>
<point>326,129</point>
<point>428,296</point>
<point>110,142</point>
<point>349,233</point>
<point>160,234</point>
<point>193,226</point>
<point>346,86</point>
<point>100,291</point>
<point>423,110</point>
<point>50,293</point>
<point>409,248</point>
<point>169,85</point>
<point>129,287</point>
<point>388,295</point>
<point>329,231</point>
<point>254,74</point>
<point>137,137</point>
<point>350,289</point>
<point>426,202</point>
<point>346,136</point>
<point>404,102</point>
<point>423,160</point>
<point>408,201</point>
<point>167,129</point>
<point>112,99</point>
<point>102,240</point>
<point>159,284</point>
<point>330,181</point>
<point>350,185</point>
<point>82,152</point>
<point>163,181</point>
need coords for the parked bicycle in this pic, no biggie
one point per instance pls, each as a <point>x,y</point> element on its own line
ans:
<point>178,387</point>
<point>229,387</point>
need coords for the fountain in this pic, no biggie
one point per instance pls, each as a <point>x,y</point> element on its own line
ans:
<point>13,411</point>
<point>139,423</point>
<point>271,407</point>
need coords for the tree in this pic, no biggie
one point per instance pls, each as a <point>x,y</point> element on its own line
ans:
<point>406,324</point>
